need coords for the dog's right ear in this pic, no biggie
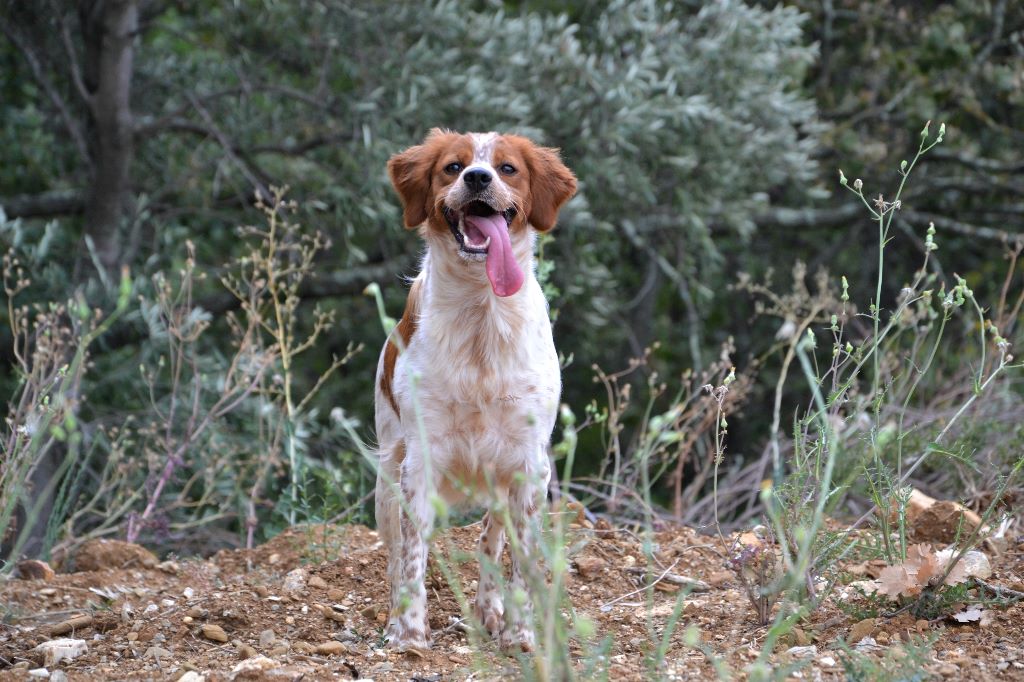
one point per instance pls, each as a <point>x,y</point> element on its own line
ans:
<point>410,174</point>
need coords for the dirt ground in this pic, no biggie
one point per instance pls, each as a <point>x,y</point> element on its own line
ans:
<point>310,605</point>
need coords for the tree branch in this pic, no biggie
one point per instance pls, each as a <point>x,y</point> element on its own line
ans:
<point>966,229</point>
<point>44,205</point>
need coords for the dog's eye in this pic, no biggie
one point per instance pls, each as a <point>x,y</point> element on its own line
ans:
<point>507,169</point>
<point>453,168</point>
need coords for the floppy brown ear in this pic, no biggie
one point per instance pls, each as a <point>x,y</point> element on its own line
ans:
<point>551,185</point>
<point>410,174</point>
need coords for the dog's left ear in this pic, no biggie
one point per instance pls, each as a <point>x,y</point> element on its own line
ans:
<point>551,185</point>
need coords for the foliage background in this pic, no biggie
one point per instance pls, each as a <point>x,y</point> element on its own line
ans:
<point>706,137</point>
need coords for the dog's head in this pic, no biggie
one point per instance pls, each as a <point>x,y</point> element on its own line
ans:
<point>483,191</point>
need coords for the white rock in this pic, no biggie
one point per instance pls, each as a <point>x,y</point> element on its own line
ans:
<point>58,676</point>
<point>295,581</point>
<point>974,563</point>
<point>150,608</point>
<point>57,650</point>
<point>39,672</point>
<point>802,651</point>
<point>188,592</point>
<point>826,661</point>
<point>191,676</point>
<point>167,603</point>
<point>254,665</point>
<point>867,644</point>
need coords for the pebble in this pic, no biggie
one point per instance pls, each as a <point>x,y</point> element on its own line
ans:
<point>802,651</point>
<point>191,676</point>
<point>157,652</point>
<point>318,582</point>
<point>295,580</point>
<point>188,593</point>
<point>39,672</point>
<point>214,632</point>
<point>57,650</point>
<point>267,638</point>
<point>245,651</point>
<point>331,648</point>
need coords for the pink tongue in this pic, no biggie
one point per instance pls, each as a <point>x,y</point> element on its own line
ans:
<point>502,269</point>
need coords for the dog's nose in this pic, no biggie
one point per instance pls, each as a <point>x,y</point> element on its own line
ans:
<point>477,179</point>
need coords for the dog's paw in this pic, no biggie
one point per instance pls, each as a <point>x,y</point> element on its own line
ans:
<point>408,639</point>
<point>517,638</point>
<point>489,613</point>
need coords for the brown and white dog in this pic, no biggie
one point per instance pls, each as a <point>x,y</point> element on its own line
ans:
<point>468,382</point>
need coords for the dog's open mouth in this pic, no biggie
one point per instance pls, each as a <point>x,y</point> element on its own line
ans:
<point>482,230</point>
<point>467,230</point>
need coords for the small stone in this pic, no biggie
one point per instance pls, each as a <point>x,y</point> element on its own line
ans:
<point>191,676</point>
<point>33,569</point>
<point>214,632</point>
<point>334,594</point>
<point>331,648</point>
<point>801,652</point>
<point>262,591</point>
<point>57,650</point>
<point>273,558</point>
<point>245,651</point>
<point>187,620</point>
<point>280,649</point>
<point>188,593</point>
<point>304,647</point>
<point>267,638</point>
<point>156,653</point>
<point>39,672</point>
<point>150,608</point>
<point>58,676</point>
<point>195,612</point>
<point>317,582</point>
<point>169,567</point>
<point>132,636</point>
<point>827,661</point>
<point>370,612</point>
<point>167,603</point>
<point>719,578</point>
<point>295,580</point>
<point>882,638</point>
<point>289,620</point>
<point>861,629</point>
<point>253,668</point>
<point>590,567</point>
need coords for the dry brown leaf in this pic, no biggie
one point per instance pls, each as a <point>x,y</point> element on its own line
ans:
<point>895,581</point>
<point>957,575</point>
<point>922,562</point>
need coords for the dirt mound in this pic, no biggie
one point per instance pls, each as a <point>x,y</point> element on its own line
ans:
<point>311,604</point>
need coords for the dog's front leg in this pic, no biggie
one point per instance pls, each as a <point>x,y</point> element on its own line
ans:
<point>412,629</point>
<point>489,608</point>
<point>517,632</point>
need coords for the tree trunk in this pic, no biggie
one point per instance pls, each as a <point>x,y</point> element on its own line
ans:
<point>109,28</point>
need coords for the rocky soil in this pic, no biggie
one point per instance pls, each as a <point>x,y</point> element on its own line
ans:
<point>310,605</point>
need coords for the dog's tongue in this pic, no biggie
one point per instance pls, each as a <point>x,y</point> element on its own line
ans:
<point>502,269</point>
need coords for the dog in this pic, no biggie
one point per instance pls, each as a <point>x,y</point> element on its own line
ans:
<point>468,382</point>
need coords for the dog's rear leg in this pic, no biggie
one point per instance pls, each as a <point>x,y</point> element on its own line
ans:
<point>489,608</point>
<point>412,629</point>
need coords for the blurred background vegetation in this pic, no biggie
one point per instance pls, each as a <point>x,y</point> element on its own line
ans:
<point>139,134</point>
